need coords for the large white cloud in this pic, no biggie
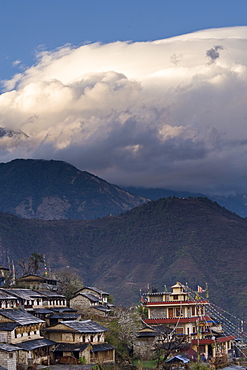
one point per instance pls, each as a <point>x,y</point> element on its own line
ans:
<point>169,113</point>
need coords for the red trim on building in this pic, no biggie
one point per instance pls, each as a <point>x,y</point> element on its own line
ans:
<point>211,341</point>
<point>225,339</point>
<point>202,341</point>
<point>177,319</point>
<point>172,303</point>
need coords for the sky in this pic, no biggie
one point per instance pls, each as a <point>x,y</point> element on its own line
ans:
<point>139,93</point>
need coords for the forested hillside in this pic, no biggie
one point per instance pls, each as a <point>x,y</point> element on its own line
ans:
<point>190,240</point>
<point>54,190</point>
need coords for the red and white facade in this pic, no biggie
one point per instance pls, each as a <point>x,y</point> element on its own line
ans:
<point>187,316</point>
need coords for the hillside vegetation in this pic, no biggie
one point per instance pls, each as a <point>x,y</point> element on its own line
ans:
<point>190,240</point>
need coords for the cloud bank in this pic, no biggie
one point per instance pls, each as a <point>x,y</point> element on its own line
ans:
<point>168,113</point>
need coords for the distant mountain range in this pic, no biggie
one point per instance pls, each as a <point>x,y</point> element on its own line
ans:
<point>53,190</point>
<point>236,202</point>
<point>188,240</point>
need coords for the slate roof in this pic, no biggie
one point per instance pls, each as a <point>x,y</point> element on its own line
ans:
<point>9,347</point>
<point>23,293</point>
<point>102,347</point>
<point>20,316</point>
<point>72,316</point>
<point>42,310</point>
<point>63,309</point>
<point>5,295</point>
<point>91,297</point>
<point>73,347</point>
<point>96,290</point>
<point>49,294</point>
<point>102,308</point>
<point>7,326</point>
<point>36,343</point>
<point>99,291</point>
<point>87,326</point>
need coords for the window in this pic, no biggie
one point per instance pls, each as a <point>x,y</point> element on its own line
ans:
<point>179,330</point>
<point>179,311</point>
<point>175,297</point>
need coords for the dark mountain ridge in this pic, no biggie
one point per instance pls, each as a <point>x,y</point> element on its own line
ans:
<point>234,202</point>
<point>190,240</point>
<point>57,190</point>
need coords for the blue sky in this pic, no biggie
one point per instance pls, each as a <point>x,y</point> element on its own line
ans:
<point>30,25</point>
<point>139,93</point>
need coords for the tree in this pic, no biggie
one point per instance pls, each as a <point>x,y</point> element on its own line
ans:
<point>129,323</point>
<point>168,343</point>
<point>32,264</point>
<point>69,283</point>
<point>123,331</point>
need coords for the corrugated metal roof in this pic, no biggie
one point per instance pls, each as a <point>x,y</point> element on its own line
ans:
<point>73,347</point>
<point>20,316</point>
<point>87,326</point>
<point>102,347</point>
<point>36,343</point>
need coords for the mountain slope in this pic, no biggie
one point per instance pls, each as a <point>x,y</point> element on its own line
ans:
<point>191,240</point>
<point>234,202</point>
<point>57,190</point>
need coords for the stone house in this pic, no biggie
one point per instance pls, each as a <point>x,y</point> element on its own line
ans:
<point>91,301</point>
<point>9,356</point>
<point>143,343</point>
<point>52,299</point>
<point>37,282</point>
<point>80,339</point>
<point>34,299</point>
<point>7,300</point>
<point>25,298</point>
<point>56,317</point>
<point>18,327</point>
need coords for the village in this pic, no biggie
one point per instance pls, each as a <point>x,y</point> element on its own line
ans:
<point>40,328</point>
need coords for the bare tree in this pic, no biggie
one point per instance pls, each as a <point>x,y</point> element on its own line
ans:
<point>32,264</point>
<point>123,329</point>
<point>69,282</point>
<point>129,323</point>
<point>167,344</point>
